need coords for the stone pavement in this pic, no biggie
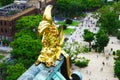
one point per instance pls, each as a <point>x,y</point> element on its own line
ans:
<point>96,70</point>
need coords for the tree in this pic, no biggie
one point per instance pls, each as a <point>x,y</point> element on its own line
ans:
<point>102,40</point>
<point>3,69</point>
<point>118,35</point>
<point>88,37</point>
<point>26,48</point>
<point>117,64</point>
<point>117,68</point>
<point>28,25</point>
<point>73,49</point>
<point>5,2</point>
<point>14,72</point>
<point>118,55</point>
<point>117,6</point>
<point>109,21</point>
<point>76,7</point>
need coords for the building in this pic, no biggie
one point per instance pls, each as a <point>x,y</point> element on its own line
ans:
<point>41,4</point>
<point>9,14</point>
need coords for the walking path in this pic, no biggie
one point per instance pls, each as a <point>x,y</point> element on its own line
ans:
<point>99,67</point>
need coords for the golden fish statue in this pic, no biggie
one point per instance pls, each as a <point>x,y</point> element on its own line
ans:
<point>51,41</point>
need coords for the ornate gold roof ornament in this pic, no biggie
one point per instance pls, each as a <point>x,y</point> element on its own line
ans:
<point>51,40</point>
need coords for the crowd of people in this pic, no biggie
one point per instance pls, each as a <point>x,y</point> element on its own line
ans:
<point>87,23</point>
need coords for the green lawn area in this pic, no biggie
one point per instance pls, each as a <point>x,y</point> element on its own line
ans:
<point>74,23</point>
<point>1,57</point>
<point>68,31</point>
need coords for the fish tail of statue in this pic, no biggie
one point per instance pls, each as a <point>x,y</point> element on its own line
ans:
<point>47,13</point>
<point>51,40</point>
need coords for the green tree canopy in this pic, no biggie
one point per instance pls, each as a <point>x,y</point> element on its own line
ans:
<point>26,46</point>
<point>88,37</point>
<point>118,35</point>
<point>14,72</point>
<point>118,54</point>
<point>109,21</point>
<point>75,7</point>
<point>117,6</point>
<point>117,68</point>
<point>28,25</point>
<point>117,64</point>
<point>5,2</point>
<point>102,40</point>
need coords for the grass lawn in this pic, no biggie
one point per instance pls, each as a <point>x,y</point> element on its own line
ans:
<point>1,57</point>
<point>74,23</point>
<point>68,31</point>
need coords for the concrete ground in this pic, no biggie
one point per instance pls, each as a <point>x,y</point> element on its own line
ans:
<point>95,69</point>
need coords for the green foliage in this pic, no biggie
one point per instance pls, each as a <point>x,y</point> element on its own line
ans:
<point>118,55</point>
<point>1,57</point>
<point>102,40</point>
<point>68,21</point>
<point>5,2</point>
<point>28,22</point>
<point>73,49</point>
<point>75,7</point>
<point>68,31</point>
<point>109,21</point>
<point>5,42</point>
<point>27,25</point>
<point>104,9</point>
<point>82,62</point>
<point>117,64</point>
<point>14,72</point>
<point>75,23</point>
<point>3,70</point>
<point>118,35</point>
<point>88,37</point>
<point>25,47</point>
<point>85,49</point>
<point>61,22</point>
<point>117,68</point>
<point>117,6</point>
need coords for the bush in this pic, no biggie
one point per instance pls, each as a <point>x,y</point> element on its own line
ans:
<point>86,50</point>
<point>82,62</point>
<point>68,21</point>
<point>117,68</point>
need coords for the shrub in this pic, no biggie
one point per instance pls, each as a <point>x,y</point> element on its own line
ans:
<point>68,21</point>
<point>117,68</point>
<point>82,62</point>
<point>86,50</point>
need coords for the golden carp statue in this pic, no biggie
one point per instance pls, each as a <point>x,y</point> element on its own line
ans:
<point>51,41</point>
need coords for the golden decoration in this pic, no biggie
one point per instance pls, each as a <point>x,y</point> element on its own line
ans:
<point>51,40</point>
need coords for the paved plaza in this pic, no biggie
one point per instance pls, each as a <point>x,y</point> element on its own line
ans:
<point>99,67</point>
